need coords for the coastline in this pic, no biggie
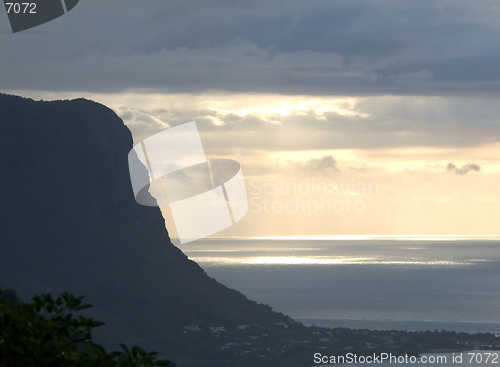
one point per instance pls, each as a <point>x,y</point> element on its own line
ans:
<point>408,325</point>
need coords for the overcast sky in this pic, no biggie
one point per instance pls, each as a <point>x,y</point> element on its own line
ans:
<point>400,93</point>
<point>350,47</point>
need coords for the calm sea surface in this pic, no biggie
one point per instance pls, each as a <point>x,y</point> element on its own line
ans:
<point>427,283</point>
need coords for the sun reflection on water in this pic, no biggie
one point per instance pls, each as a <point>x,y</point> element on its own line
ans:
<point>319,260</point>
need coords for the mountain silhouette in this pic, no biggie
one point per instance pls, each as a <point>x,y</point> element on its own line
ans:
<point>69,222</point>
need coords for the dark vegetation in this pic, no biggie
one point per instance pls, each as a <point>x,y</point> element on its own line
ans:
<point>46,332</point>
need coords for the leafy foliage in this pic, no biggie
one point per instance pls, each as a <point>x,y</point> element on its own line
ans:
<point>46,332</point>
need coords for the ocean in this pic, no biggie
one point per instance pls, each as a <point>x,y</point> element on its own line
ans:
<point>378,283</point>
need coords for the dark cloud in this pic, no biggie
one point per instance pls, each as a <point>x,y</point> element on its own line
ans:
<point>466,168</point>
<point>325,166</point>
<point>376,122</point>
<point>344,47</point>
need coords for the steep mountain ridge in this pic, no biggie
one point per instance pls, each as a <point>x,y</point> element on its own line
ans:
<point>69,221</point>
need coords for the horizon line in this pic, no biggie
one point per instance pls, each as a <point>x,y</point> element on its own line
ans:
<point>394,237</point>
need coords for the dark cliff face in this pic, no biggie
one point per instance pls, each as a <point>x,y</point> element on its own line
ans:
<point>69,221</point>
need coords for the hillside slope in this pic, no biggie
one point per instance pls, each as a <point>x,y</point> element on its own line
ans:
<point>69,222</point>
